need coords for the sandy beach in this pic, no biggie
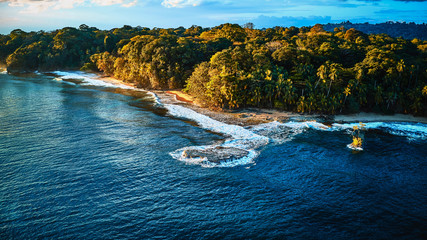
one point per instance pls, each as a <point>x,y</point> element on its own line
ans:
<point>252,116</point>
<point>248,116</point>
<point>115,81</point>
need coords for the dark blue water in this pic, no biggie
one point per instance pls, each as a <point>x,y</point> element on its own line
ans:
<point>82,162</point>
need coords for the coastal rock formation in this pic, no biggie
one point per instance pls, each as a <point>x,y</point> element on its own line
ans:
<point>216,154</point>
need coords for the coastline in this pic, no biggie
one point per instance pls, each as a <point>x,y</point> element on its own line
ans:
<point>254,116</point>
<point>113,80</point>
<point>240,117</point>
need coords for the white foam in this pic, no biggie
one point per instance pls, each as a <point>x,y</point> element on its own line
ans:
<point>277,132</point>
<point>239,137</point>
<point>354,148</point>
<point>307,124</point>
<point>252,138</point>
<point>66,82</point>
<point>204,162</point>
<point>412,130</point>
<point>90,79</point>
<point>236,132</point>
<point>155,98</point>
<point>282,132</point>
<point>3,72</point>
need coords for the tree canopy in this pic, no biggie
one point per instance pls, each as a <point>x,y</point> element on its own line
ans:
<point>229,66</point>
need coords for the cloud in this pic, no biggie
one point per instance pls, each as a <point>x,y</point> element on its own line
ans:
<point>35,6</point>
<point>42,5</point>
<point>180,3</point>
<point>131,4</point>
<point>114,2</point>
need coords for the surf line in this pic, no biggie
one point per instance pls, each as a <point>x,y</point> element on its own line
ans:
<point>242,144</point>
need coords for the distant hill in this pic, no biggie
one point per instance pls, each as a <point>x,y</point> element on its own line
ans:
<point>394,29</point>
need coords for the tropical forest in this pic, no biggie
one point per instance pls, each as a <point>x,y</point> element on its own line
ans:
<point>306,69</point>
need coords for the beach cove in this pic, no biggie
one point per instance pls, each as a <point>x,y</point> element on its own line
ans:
<point>82,158</point>
<point>242,127</point>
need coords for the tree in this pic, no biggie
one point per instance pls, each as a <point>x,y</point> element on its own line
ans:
<point>249,25</point>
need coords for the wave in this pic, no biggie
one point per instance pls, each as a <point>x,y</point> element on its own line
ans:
<point>3,72</point>
<point>66,82</point>
<point>90,79</point>
<point>280,132</point>
<point>405,129</point>
<point>154,96</point>
<point>242,144</point>
<point>238,149</point>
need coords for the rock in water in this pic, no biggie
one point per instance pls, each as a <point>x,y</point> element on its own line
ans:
<point>216,154</point>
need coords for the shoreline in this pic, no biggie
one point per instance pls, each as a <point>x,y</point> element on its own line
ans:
<point>254,116</point>
<point>251,116</point>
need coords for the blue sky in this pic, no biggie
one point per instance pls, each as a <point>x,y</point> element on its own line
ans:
<point>34,15</point>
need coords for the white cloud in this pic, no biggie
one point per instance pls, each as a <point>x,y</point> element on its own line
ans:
<point>180,3</point>
<point>130,4</point>
<point>123,3</point>
<point>35,6</point>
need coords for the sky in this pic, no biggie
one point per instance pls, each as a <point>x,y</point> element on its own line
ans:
<point>35,15</point>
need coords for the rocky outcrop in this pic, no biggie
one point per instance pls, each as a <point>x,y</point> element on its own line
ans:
<point>216,154</point>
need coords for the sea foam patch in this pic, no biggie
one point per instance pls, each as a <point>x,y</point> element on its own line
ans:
<point>412,130</point>
<point>90,79</point>
<point>280,133</point>
<point>283,132</point>
<point>253,137</point>
<point>238,149</point>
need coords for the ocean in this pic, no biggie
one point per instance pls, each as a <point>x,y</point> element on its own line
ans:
<point>85,159</point>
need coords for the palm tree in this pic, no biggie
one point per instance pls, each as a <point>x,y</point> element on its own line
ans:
<point>289,93</point>
<point>323,102</point>
<point>378,95</point>
<point>257,95</point>
<point>280,87</point>
<point>322,72</point>
<point>269,92</point>
<point>301,104</point>
<point>333,75</point>
<point>400,67</point>
<point>346,92</point>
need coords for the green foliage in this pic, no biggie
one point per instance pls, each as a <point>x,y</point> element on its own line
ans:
<point>229,66</point>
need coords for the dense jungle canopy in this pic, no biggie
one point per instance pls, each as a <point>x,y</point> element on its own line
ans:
<point>303,69</point>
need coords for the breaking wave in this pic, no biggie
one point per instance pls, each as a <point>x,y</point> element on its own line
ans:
<point>277,131</point>
<point>411,130</point>
<point>238,149</point>
<point>90,79</point>
<point>242,144</point>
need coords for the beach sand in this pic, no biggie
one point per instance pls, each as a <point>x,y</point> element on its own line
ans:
<point>241,117</point>
<point>115,81</point>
